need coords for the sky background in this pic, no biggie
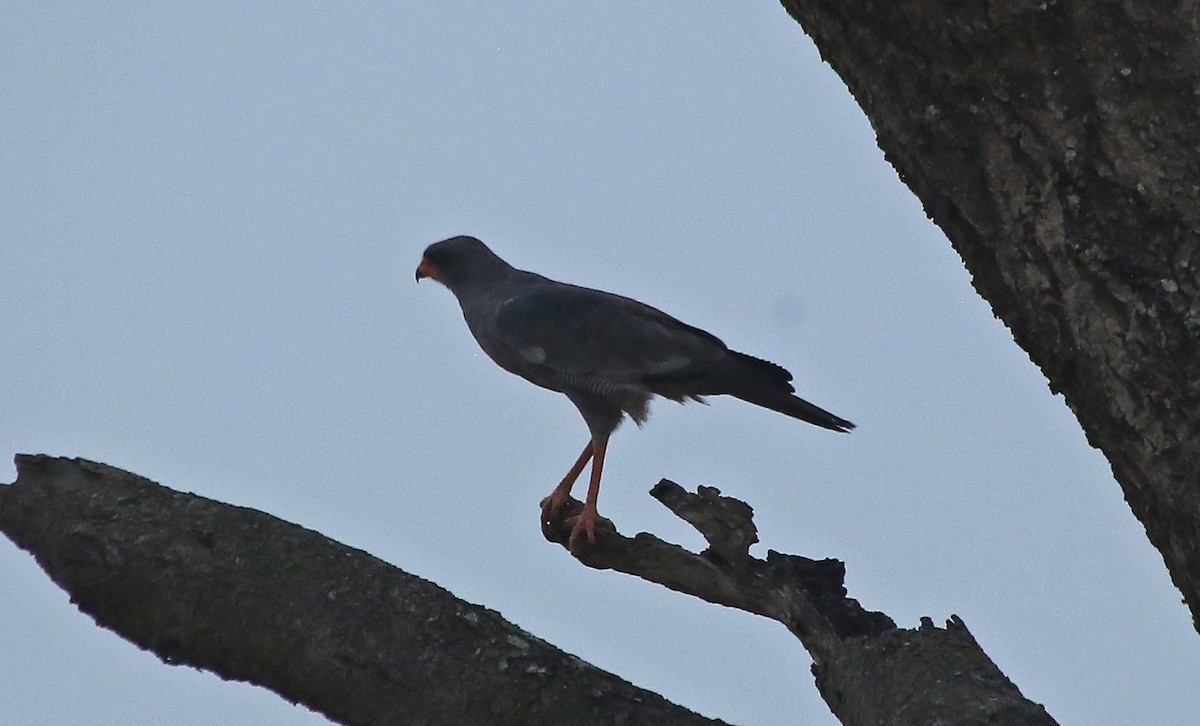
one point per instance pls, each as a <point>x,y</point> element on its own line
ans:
<point>211,216</point>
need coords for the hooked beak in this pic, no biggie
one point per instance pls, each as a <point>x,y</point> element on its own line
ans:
<point>426,269</point>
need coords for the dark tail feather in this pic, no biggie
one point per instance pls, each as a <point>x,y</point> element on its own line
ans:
<point>751,379</point>
<point>790,405</point>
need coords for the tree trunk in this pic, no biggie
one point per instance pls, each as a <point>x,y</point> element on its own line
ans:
<point>1057,144</point>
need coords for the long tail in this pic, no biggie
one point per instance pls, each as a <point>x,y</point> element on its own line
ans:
<point>751,379</point>
<point>791,405</point>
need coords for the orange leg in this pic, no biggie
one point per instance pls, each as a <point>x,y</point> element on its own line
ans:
<point>553,504</point>
<point>586,521</point>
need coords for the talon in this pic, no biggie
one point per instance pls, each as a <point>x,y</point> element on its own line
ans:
<point>552,507</point>
<point>584,523</point>
<point>559,508</point>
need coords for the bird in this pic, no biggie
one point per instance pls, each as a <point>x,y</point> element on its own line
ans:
<point>610,355</point>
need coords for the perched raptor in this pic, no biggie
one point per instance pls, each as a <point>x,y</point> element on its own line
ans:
<point>609,354</point>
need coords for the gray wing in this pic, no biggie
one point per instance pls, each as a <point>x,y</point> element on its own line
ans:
<point>583,338</point>
<point>570,338</point>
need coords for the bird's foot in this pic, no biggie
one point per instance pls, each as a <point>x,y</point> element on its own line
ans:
<point>553,507</point>
<point>569,522</point>
<point>556,511</point>
<point>585,524</point>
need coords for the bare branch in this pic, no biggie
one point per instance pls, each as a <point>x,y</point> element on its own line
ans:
<point>253,598</point>
<point>868,670</point>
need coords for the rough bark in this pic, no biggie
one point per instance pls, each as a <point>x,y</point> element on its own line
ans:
<point>867,670</point>
<point>1057,144</point>
<point>253,598</point>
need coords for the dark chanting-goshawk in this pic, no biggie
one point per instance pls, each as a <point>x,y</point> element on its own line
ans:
<point>609,354</point>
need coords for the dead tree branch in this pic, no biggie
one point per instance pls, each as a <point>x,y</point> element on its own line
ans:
<point>253,598</point>
<point>868,670</point>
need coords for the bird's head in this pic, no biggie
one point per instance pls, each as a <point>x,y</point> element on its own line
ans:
<point>458,261</point>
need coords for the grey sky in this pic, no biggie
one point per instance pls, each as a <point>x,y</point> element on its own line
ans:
<point>211,217</point>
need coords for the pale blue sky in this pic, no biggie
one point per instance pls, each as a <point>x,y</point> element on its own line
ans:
<point>211,217</point>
